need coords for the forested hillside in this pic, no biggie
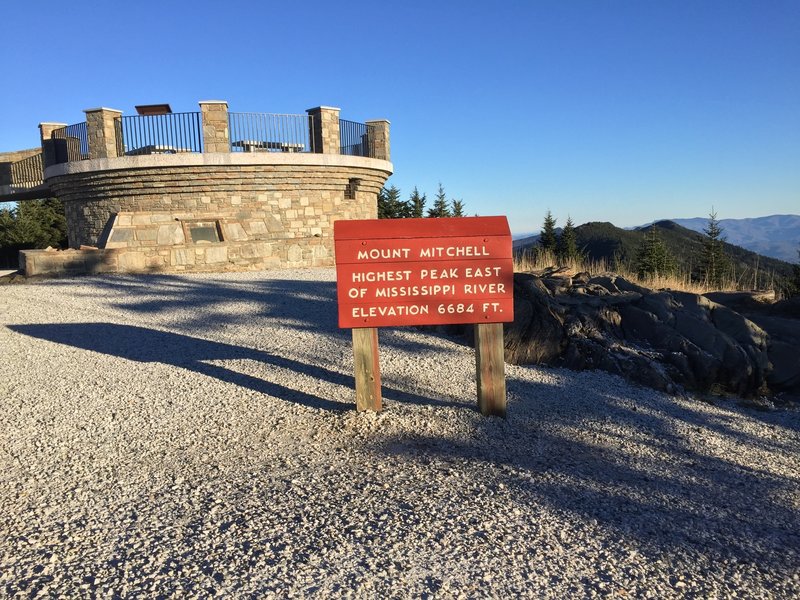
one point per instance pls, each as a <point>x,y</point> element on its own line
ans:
<point>604,241</point>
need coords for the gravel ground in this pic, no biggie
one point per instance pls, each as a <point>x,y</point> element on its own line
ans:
<point>186,436</point>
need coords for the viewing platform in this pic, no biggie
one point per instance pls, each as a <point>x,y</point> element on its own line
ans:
<point>208,190</point>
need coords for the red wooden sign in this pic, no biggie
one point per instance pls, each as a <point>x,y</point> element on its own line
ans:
<point>393,272</point>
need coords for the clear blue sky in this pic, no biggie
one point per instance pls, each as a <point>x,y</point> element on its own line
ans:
<point>625,111</point>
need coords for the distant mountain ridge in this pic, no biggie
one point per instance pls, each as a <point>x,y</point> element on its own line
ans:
<point>777,236</point>
<point>605,241</point>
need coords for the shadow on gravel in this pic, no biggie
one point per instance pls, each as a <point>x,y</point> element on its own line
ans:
<point>633,471</point>
<point>307,305</point>
<point>150,345</point>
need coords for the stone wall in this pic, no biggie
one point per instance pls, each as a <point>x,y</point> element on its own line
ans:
<point>277,213</point>
<point>225,256</point>
<point>11,157</point>
<point>6,160</point>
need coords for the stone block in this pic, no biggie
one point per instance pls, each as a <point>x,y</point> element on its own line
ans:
<point>155,262</point>
<point>120,236</point>
<point>142,219</point>
<point>148,235</point>
<point>181,256</point>
<point>255,250</point>
<point>274,225</point>
<point>255,227</point>
<point>171,235</point>
<point>216,254</point>
<point>295,254</point>
<point>132,261</point>
<point>233,232</point>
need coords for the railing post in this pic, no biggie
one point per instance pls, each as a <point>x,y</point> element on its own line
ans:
<point>378,134</point>
<point>325,135</point>
<point>102,132</point>
<point>48,149</point>
<point>214,114</point>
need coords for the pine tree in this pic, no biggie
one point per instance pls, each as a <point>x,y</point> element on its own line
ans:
<point>34,224</point>
<point>567,246</point>
<point>653,258</point>
<point>548,240</point>
<point>440,208</point>
<point>457,209</point>
<point>383,204</point>
<point>389,204</point>
<point>715,264</point>
<point>416,204</point>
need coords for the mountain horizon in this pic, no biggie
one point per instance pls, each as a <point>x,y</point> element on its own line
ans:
<point>775,236</point>
<point>615,245</point>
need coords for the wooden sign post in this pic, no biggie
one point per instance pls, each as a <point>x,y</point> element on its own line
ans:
<point>395,272</point>
<point>367,369</point>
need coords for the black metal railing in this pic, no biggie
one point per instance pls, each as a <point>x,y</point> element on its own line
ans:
<point>356,139</point>
<point>172,133</point>
<point>266,132</point>
<point>75,145</point>
<point>28,172</point>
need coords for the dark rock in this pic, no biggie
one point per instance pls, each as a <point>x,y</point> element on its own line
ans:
<point>537,333</point>
<point>15,277</point>
<point>787,308</point>
<point>626,286</point>
<point>780,324</point>
<point>665,340</point>
<point>785,361</point>
<point>558,285</point>
<point>606,282</point>
<point>581,278</point>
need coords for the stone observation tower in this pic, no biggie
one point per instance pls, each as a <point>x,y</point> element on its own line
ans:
<point>210,190</point>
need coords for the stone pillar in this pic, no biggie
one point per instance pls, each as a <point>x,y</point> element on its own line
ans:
<point>214,114</point>
<point>325,129</point>
<point>102,132</point>
<point>48,148</point>
<point>46,129</point>
<point>378,132</point>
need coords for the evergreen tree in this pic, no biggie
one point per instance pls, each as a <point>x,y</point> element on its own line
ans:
<point>389,204</point>
<point>567,247</point>
<point>34,224</point>
<point>383,204</point>
<point>715,264</point>
<point>548,240</point>
<point>440,207</point>
<point>416,204</point>
<point>653,258</point>
<point>457,209</point>
<point>792,288</point>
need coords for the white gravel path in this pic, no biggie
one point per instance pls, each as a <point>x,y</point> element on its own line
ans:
<point>185,436</point>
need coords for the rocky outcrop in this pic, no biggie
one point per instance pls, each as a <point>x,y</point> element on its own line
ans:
<point>781,321</point>
<point>663,339</point>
